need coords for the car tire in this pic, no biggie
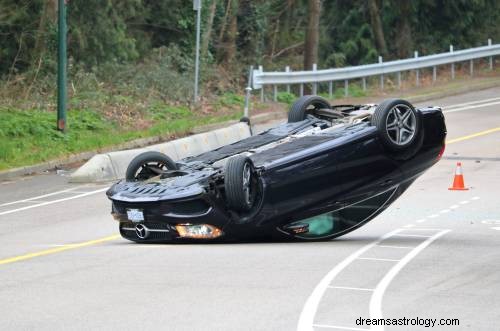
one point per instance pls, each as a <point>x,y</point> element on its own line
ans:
<point>305,105</point>
<point>240,183</point>
<point>399,126</point>
<point>147,165</point>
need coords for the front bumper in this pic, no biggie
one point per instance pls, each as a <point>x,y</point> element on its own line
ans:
<point>159,218</point>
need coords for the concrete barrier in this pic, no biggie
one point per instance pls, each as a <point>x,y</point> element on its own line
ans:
<point>112,166</point>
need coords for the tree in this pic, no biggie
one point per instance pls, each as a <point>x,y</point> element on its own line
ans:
<point>312,34</point>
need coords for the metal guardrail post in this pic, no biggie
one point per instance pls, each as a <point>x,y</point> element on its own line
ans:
<point>248,91</point>
<point>491,57</point>
<point>287,69</point>
<point>330,89</point>
<point>261,69</point>
<point>417,72</point>
<point>452,65</point>
<point>399,80</point>
<point>434,73</point>
<point>275,92</point>
<point>346,88</point>
<point>315,85</point>
<point>364,83</point>
<point>471,69</point>
<point>301,90</point>
<point>380,60</point>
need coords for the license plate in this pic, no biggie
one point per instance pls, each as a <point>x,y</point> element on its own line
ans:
<point>135,215</point>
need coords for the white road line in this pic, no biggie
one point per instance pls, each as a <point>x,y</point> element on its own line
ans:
<point>337,327</point>
<point>306,318</point>
<point>41,196</point>
<point>400,247</point>
<point>433,216</point>
<point>444,211</point>
<point>425,229</point>
<point>376,259</point>
<point>378,294</point>
<point>454,206</point>
<point>420,220</point>
<point>464,202</point>
<point>409,226</point>
<point>54,201</point>
<point>472,107</point>
<point>351,288</point>
<point>475,198</point>
<point>412,235</point>
<point>470,103</point>
<point>496,228</point>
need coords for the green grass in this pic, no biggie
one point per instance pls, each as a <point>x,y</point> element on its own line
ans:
<point>29,136</point>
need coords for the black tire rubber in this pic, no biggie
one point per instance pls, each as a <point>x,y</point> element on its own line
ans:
<point>234,186</point>
<point>148,157</point>
<point>299,110</point>
<point>379,120</point>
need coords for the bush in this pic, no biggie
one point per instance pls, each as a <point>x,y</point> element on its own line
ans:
<point>286,97</point>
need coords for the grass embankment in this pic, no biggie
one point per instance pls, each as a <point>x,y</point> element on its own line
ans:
<point>28,136</point>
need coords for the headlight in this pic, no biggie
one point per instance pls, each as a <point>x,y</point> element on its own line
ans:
<point>198,231</point>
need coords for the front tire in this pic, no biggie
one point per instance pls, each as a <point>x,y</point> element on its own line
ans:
<point>240,184</point>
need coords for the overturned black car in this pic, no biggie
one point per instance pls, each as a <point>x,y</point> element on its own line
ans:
<point>326,172</point>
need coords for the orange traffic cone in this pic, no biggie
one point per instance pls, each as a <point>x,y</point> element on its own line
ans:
<point>458,181</point>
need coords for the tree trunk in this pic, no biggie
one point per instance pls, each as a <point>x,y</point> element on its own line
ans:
<point>230,41</point>
<point>208,31</point>
<point>312,34</point>
<point>49,14</point>
<point>377,29</point>
<point>404,42</point>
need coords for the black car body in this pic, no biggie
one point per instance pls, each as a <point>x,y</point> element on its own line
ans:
<point>326,172</point>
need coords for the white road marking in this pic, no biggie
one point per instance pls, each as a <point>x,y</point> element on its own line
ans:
<point>454,206</point>
<point>444,211</point>
<point>53,201</point>
<point>376,299</point>
<point>412,235</point>
<point>420,220</point>
<point>496,228</point>
<point>433,216</point>
<point>464,202</point>
<point>306,318</point>
<point>426,229</point>
<point>41,196</point>
<point>400,247</point>
<point>376,259</point>
<point>470,103</point>
<point>491,222</point>
<point>409,226</point>
<point>351,288</point>
<point>472,107</point>
<point>337,327</point>
<point>475,198</point>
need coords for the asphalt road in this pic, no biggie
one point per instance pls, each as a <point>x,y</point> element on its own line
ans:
<point>434,254</point>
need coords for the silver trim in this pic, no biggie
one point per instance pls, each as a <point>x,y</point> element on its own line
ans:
<point>141,231</point>
<point>401,124</point>
<point>189,215</point>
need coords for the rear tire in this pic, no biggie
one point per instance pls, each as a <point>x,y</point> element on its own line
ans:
<point>240,184</point>
<point>306,105</point>
<point>147,165</point>
<point>400,127</point>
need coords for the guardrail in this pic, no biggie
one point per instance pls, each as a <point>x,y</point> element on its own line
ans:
<point>260,78</point>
